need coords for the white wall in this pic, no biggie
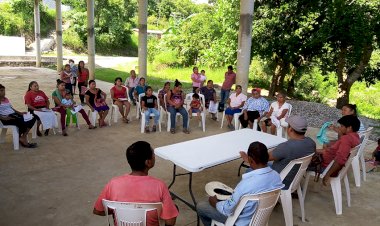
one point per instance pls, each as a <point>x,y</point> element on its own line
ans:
<point>12,46</point>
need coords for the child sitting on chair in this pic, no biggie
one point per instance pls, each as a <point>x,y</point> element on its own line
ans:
<point>149,106</point>
<point>195,106</point>
<point>69,105</point>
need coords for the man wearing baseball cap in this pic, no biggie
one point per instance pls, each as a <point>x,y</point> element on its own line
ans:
<point>297,146</point>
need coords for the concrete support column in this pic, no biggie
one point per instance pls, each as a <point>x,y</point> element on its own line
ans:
<point>244,43</point>
<point>91,38</point>
<point>58,32</point>
<point>143,50</point>
<point>37,32</point>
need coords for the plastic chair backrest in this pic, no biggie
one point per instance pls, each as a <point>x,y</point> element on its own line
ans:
<point>365,140</point>
<point>290,110</point>
<point>265,204</point>
<point>131,216</point>
<point>304,163</point>
<point>347,165</point>
<point>113,205</point>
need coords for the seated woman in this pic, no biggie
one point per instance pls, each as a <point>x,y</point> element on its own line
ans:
<point>39,105</point>
<point>58,95</point>
<point>119,98</point>
<point>162,93</point>
<point>175,99</point>
<point>277,114</point>
<point>236,102</point>
<point>10,116</point>
<point>96,100</point>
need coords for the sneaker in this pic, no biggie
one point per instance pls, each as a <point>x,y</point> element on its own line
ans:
<point>147,129</point>
<point>154,129</point>
<point>186,130</point>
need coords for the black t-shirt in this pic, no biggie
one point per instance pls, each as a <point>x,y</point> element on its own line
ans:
<point>149,101</point>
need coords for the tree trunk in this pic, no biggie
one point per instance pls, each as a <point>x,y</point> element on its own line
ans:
<point>290,90</point>
<point>345,81</point>
<point>278,77</point>
<point>143,37</point>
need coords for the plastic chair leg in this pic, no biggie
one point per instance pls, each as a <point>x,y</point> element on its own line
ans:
<point>236,121</point>
<point>221,125</point>
<point>348,192</point>
<point>34,131</point>
<point>16,144</point>
<point>364,170</point>
<point>304,186</point>
<point>204,122</point>
<point>279,131</point>
<point>168,123</point>
<point>356,170</point>
<point>286,202</point>
<point>302,203</point>
<point>254,127</point>
<point>337,194</point>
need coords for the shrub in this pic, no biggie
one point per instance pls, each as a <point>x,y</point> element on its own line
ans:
<point>168,58</point>
<point>72,40</point>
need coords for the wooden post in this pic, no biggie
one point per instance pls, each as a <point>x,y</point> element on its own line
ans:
<point>91,38</point>
<point>244,43</point>
<point>58,32</point>
<point>142,48</point>
<point>37,32</point>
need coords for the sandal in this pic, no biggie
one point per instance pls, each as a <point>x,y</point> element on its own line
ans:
<point>185,130</point>
<point>46,132</point>
<point>91,127</point>
<point>172,131</point>
<point>28,145</point>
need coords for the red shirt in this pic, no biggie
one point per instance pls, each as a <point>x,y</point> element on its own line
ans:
<point>340,150</point>
<point>143,189</point>
<point>119,93</point>
<point>83,76</point>
<point>36,99</point>
<point>229,80</point>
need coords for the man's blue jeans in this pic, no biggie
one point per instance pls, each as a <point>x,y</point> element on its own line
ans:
<point>156,116</point>
<point>173,112</point>
<point>224,94</point>
<point>131,93</point>
<point>207,213</point>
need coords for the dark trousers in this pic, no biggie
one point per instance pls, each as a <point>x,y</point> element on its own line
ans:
<point>18,120</point>
<point>252,115</point>
<point>80,84</point>
<point>69,86</point>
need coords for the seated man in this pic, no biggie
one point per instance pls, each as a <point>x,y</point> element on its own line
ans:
<point>262,178</point>
<point>340,150</point>
<point>138,186</point>
<point>297,146</point>
<point>254,108</point>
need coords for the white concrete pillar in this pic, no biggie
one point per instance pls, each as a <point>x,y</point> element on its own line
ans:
<point>37,32</point>
<point>58,32</point>
<point>244,43</point>
<point>91,39</point>
<point>143,50</point>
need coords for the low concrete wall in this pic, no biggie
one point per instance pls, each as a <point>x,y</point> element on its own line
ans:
<point>12,46</point>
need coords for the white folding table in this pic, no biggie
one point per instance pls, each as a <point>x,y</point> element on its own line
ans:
<point>199,154</point>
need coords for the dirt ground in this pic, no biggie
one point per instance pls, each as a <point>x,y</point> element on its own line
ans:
<point>58,182</point>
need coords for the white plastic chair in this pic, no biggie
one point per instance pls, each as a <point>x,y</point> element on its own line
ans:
<point>115,114</point>
<point>93,115</point>
<point>16,140</point>
<point>123,207</point>
<point>131,217</point>
<point>236,119</point>
<point>282,129</point>
<point>335,182</point>
<point>265,204</point>
<point>359,159</point>
<point>151,115</point>
<point>188,100</point>
<point>168,124</point>
<point>286,195</point>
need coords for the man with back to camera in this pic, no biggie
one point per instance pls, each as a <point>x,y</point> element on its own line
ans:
<point>138,186</point>
<point>260,179</point>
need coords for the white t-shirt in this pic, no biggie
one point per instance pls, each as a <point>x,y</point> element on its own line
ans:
<point>277,111</point>
<point>237,100</point>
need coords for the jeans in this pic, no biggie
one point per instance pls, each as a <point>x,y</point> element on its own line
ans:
<point>156,116</point>
<point>131,93</point>
<point>173,113</point>
<point>224,94</point>
<point>69,86</point>
<point>207,213</point>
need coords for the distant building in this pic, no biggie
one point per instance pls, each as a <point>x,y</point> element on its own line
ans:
<point>200,1</point>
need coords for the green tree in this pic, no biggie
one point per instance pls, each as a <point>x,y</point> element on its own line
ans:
<point>352,32</point>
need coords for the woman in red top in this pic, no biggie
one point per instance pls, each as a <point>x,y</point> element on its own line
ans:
<point>119,98</point>
<point>82,79</point>
<point>36,100</point>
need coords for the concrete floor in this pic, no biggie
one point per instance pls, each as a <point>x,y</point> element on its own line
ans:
<point>58,182</point>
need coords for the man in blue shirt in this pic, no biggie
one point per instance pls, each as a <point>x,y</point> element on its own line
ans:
<point>261,179</point>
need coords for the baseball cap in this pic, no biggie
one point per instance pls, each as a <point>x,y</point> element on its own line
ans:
<point>256,89</point>
<point>298,123</point>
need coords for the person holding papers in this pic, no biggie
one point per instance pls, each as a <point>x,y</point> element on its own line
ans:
<point>119,98</point>
<point>10,116</point>
<point>58,95</point>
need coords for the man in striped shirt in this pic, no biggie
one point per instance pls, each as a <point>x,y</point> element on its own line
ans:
<point>254,108</point>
